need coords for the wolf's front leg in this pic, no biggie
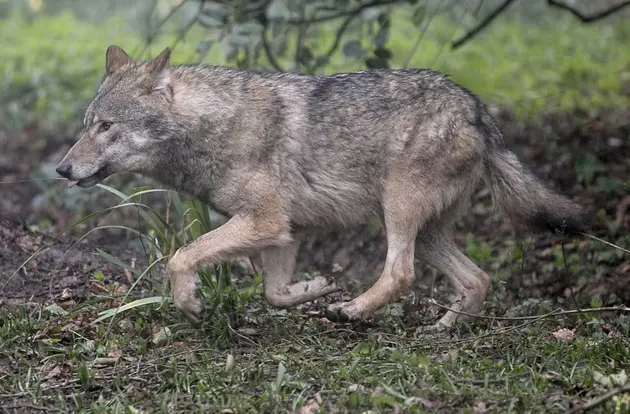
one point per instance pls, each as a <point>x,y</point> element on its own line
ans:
<point>241,235</point>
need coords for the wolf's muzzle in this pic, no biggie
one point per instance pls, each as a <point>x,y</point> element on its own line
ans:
<point>64,170</point>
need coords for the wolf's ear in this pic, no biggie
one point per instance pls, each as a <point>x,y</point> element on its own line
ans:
<point>158,70</point>
<point>115,58</point>
<point>160,62</point>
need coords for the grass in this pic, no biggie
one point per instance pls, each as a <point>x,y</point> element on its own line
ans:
<point>277,361</point>
<point>248,357</point>
<point>127,350</point>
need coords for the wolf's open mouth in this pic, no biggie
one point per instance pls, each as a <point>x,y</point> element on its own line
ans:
<point>93,179</point>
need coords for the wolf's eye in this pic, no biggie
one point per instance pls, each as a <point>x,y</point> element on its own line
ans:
<point>104,126</point>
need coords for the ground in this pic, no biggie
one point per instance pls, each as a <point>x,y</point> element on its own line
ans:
<point>531,353</point>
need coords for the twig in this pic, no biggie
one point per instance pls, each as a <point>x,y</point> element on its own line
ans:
<point>166,18</point>
<point>421,35</point>
<point>182,34</point>
<point>30,407</point>
<point>486,335</point>
<point>567,276</point>
<point>485,22</point>
<point>340,31</point>
<point>479,6</point>
<point>588,19</point>
<point>38,251</point>
<point>246,338</point>
<point>600,400</point>
<point>590,236</point>
<point>32,180</point>
<point>298,42</point>
<point>270,57</point>
<point>344,26</point>
<point>557,312</point>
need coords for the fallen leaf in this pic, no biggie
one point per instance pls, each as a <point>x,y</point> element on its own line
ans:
<point>564,334</point>
<point>356,388</point>
<point>249,331</point>
<point>229,362</point>
<point>311,406</point>
<point>115,353</point>
<point>161,337</point>
<point>480,407</point>
<point>59,370</point>
<point>99,362</point>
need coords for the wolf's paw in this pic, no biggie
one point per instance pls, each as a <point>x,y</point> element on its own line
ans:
<point>344,312</point>
<point>184,290</point>
<point>189,305</point>
<point>324,285</point>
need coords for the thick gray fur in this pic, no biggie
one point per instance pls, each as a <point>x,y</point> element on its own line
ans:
<point>278,152</point>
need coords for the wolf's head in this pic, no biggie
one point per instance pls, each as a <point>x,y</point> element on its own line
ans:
<point>125,122</point>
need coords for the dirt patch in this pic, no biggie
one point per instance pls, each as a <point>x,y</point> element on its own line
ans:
<point>39,267</point>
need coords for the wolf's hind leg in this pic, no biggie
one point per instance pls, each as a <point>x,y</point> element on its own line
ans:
<point>403,216</point>
<point>469,282</point>
<point>278,265</point>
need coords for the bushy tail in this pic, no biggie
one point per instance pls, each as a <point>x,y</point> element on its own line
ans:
<point>528,201</point>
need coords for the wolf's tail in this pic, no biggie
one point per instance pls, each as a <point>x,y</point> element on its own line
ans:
<point>525,199</point>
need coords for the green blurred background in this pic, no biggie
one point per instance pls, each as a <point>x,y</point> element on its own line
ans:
<point>533,58</point>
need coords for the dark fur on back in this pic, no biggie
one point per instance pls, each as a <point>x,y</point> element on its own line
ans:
<point>277,152</point>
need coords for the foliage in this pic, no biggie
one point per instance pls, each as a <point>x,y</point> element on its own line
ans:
<point>45,70</point>
<point>166,233</point>
<point>52,65</point>
<point>52,62</point>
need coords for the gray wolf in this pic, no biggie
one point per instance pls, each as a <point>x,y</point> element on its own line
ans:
<point>279,153</point>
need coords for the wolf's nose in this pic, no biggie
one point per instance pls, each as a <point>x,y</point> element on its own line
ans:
<point>64,170</point>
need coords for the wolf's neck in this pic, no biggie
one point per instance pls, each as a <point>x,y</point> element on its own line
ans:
<point>191,162</point>
<point>197,156</point>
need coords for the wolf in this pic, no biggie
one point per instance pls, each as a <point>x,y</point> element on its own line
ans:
<point>281,153</point>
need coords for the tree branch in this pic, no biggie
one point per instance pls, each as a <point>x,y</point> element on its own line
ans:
<point>182,34</point>
<point>484,23</point>
<point>351,12</point>
<point>156,32</point>
<point>342,29</point>
<point>267,48</point>
<point>588,19</point>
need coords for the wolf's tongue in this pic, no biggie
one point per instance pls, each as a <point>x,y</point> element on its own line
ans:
<point>72,184</point>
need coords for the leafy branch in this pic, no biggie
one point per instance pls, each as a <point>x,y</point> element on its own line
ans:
<point>352,12</point>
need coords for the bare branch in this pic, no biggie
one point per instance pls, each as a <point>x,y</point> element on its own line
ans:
<point>182,34</point>
<point>342,29</point>
<point>157,30</point>
<point>482,25</point>
<point>588,19</point>
<point>300,39</point>
<point>350,16</point>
